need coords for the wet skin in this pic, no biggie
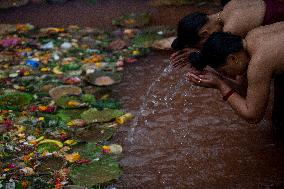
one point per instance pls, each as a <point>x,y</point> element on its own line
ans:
<point>265,59</point>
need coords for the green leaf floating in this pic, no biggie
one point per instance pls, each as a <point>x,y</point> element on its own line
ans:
<point>104,170</point>
<point>104,78</point>
<point>70,114</point>
<point>133,20</point>
<point>88,98</point>
<point>15,100</point>
<point>49,147</point>
<point>88,150</point>
<point>109,104</point>
<point>93,115</point>
<point>70,67</point>
<point>64,100</point>
<point>94,134</point>
<point>48,164</point>
<point>59,91</point>
<point>146,39</point>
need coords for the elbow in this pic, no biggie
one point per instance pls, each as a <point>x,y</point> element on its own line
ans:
<point>253,118</point>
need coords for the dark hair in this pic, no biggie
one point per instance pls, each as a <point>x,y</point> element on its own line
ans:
<point>187,30</point>
<point>224,2</point>
<point>216,49</point>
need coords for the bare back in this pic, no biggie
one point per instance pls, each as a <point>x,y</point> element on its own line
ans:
<point>266,46</point>
<point>241,16</point>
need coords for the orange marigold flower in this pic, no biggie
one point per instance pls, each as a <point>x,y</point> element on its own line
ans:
<point>42,108</point>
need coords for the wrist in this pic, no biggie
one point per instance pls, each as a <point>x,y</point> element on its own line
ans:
<point>223,88</point>
<point>221,84</point>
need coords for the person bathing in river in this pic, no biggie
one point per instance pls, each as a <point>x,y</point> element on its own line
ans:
<point>237,17</point>
<point>260,56</point>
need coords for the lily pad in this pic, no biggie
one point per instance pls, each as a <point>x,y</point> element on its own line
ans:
<point>70,114</point>
<point>104,170</point>
<point>132,20</point>
<point>104,78</point>
<point>109,104</point>
<point>15,100</point>
<point>48,147</point>
<point>48,164</point>
<point>57,92</point>
<point>146,39</point>
<point>94,134</point>
<point>68,102</point>
<point>92,115</point>
<point>14,3</point>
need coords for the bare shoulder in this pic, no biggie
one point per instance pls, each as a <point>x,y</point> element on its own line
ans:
<point>267,29</point>
<point>259,69</point>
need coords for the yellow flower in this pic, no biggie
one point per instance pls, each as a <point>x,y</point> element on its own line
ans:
<point>70,142</point>
<point>72,157</point>
<point>41,118</point>
<point>21,128</point>
<point>98,64</point>
<point>105,97</point>
<point>106,149</point>
<point>73,103</point>
<point>26,73</point>
<point>130,21</point>
<point>56,30</point>
<point>44,69</point>
<point>6,169</point>
<point>136,52</point>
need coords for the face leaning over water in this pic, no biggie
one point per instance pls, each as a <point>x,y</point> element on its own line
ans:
<point>236,64</point>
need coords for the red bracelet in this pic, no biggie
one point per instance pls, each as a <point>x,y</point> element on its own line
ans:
<point>226,97</point>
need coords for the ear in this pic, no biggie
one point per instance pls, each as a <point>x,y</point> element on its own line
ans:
<point>232,59</point>
<point>204,34</point>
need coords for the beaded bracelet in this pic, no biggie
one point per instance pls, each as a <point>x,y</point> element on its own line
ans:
<point>226,97</point>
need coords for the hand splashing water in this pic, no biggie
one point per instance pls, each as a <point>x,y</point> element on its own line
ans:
<point>153,99</point>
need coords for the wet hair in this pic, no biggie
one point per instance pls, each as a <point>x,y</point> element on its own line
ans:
<point>215,50</point>
<point>187,30</point>
<point>224,2</point>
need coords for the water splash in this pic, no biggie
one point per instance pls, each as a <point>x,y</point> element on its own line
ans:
<point>142,110</point>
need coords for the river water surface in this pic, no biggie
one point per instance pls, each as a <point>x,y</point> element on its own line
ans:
<point>185,136</point>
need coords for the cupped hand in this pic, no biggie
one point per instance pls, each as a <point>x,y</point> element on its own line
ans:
<point>205,78</point>
<point>180,59</point>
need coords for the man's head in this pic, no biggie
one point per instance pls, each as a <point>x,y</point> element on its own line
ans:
<point>194,29</point>
<point>224,52</point>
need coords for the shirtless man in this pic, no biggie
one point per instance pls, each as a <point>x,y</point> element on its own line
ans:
<point>260,56</point>
<point>238,17</point>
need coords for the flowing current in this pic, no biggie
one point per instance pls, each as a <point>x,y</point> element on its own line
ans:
<point>184,136</point>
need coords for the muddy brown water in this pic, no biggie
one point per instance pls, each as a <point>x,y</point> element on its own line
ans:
<point>187,137</point>
<point>183,136</point>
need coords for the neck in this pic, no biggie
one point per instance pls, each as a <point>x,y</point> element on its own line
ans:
<point>216,20</point>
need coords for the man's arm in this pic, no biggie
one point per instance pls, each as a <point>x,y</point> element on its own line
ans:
<point>251,108</point>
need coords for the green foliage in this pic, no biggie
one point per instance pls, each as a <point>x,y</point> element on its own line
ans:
<point>107,104</point>
<point>70,67</point>
<point>63,101</point>
<point>133,20</point>
<point>49,147</point>
<point>103,168</point>
<point>93,1</point>
<point>92,115</point>
<point>94,134</point>
<point>88,98</point>
<point>146,39</point>
<point>15,100</point>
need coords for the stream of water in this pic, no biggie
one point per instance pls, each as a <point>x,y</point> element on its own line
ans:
<point>185,136</point>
